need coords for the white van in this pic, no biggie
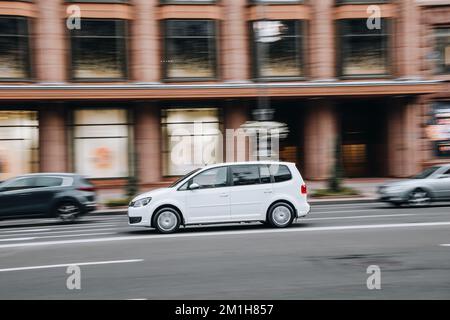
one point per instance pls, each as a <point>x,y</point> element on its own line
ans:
<point>269,192</point>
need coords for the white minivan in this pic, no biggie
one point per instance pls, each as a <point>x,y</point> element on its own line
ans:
<point>269,192</point>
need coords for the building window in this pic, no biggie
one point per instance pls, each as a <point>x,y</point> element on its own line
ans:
<point>99,50</point>
<point>101,143</point>
<point>363,51</point>
<point>18,143</point>
<point>14,48</point>
<point>360,1</point>
<point>190,49</point>
<point>277,48</point>
<point>438,128</point>
<point>188,1</point>
<point>191,139</point>
<point>443,50</point>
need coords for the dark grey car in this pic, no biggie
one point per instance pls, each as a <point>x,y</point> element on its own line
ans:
<point>62,195</point>
<point>433,184</point>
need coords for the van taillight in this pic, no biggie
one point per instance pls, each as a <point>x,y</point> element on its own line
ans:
<point>303,189</point>
<point>89,189</point>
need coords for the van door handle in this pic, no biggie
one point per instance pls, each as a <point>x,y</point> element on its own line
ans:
<point>268,191</point>
<point>224,195</point>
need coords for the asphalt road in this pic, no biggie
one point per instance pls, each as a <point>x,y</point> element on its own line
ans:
<point>324,256</point>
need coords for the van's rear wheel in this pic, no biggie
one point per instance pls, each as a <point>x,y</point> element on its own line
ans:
<point>280,215</point>
<point>167,220</point>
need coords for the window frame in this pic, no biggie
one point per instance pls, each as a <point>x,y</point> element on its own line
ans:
<point>165,58</point>
<point>28,67</point>
<point>301,45</point>
<point>125,64</point>
<point>388,56</point>
<point>439,66</point>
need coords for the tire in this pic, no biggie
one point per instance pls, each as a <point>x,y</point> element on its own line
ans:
<point>67,211</point>
<point>167,220</point>
<point>419,198</point>
<point>280,215</point>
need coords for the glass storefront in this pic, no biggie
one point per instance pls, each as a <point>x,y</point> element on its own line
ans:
<point>191,138</point>
<point>19,139</point>
<point>101,143</point>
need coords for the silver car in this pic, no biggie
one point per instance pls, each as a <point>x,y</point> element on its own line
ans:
<point>432,184</point>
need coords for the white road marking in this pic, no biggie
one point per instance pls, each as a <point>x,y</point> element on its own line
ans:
<point>61,236</point>
<point>71,264</point>
<point>18,239</point>
<point>445,244</point>
<point>26,230</point>
<point>57,232</point>
<point>227,233</point>
<point>363,217</point>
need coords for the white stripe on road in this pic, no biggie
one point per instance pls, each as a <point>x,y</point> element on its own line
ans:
<point>18,239</point>
<point>61,236</point>
<point>59,228</point>
<point>445,244</point>
<point>57,232</point>
<point>25,230</point>
<point>362,217</point>
<point>228,233</point>
<point>71,264</point>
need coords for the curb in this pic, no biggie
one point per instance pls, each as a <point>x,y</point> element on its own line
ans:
<point>320,202</point>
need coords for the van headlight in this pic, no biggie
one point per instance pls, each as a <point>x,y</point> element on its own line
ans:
<point>140,203</point>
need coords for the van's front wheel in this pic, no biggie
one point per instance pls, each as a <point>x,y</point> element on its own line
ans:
<point>280,215</point>
<point>167,220</point>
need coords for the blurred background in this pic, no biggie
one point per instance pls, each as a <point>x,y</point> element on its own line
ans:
<point>101,88</point>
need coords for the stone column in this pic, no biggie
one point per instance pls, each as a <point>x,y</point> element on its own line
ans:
<point>52,139</point>
<point>234,47</point>
<point>50,44</point>
<point>408,35</point>
<point>404,143</point>
<point>147,135</point>
<point>236,113</point>
<point>320,131</point>
<point>321,41</point>
<point>145,44</point>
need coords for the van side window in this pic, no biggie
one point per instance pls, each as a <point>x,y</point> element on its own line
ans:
<point>42,182</point>
<point>212,178</point>
<point>280,173</point>
<point>245,175</point>
<point>264,174</point>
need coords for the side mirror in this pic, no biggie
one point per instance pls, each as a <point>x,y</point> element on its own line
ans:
<point>194,186</point>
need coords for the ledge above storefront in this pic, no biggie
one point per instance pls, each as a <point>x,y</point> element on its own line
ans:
<point>131,91</point>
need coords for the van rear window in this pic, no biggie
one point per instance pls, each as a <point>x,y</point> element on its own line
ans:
<point>281,173</point>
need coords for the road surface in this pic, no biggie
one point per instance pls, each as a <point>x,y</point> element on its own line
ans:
<point>324,256</point>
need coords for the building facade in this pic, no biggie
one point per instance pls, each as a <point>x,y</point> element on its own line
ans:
<point>104,88</point>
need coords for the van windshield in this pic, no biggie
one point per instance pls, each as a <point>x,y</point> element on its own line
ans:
<point>183,177</point>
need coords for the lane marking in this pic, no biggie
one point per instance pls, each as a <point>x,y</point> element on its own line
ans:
<point>362,217</point>
<point>61,236</point>
<point>26,230</point>
<point>18,239</point>
<point>445,244</point>
<point>71,264</point>
<point>227,233</point>
<point>57,232</point>
<point>58,228</point>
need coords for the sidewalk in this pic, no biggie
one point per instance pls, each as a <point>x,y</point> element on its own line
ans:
<point>366,186</point>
